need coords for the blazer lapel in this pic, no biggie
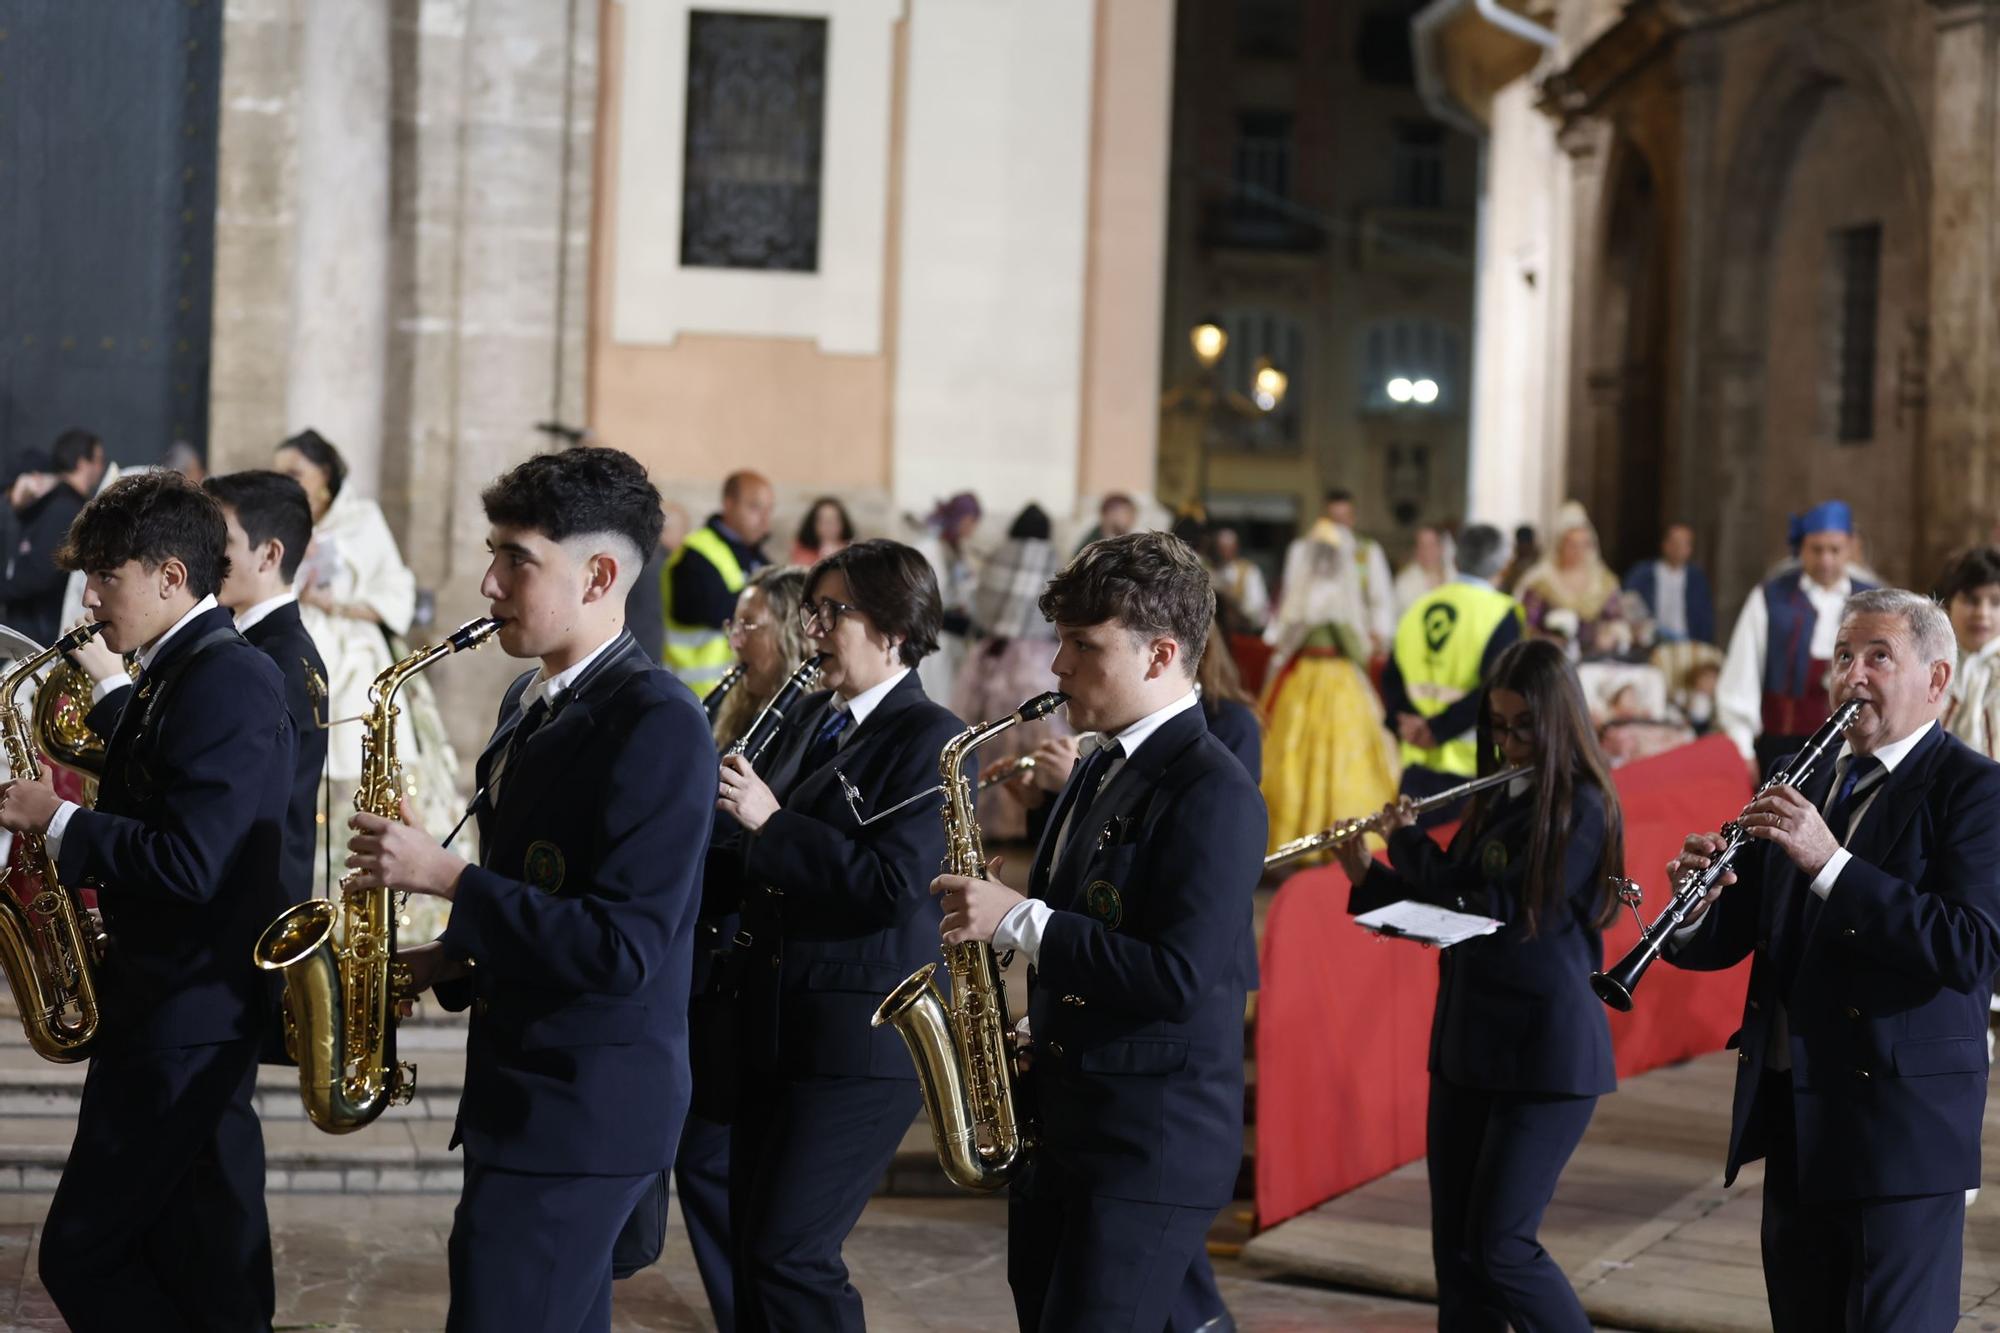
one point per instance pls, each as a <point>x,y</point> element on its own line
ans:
<point>1132,783</point>
<point>1902,796</point>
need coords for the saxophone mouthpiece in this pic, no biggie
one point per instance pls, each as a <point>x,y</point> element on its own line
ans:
<point>1042,705</point>
<point>79,636</point>
<point>473,633</point>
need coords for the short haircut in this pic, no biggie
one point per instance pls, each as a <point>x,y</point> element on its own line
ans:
<point>1340,495</point>
<point>579,492</point>
<point>1970,569</point>
<point>151,517</point>
<point>72,447</point>
<point>268,505</point>
<point>894,586</point>
<point>1151,583</point>
<point>734,483</point>
<point>1926,623</point>
<point>1117,498</point>
<point>319,451</point>
<point>1482,550</point>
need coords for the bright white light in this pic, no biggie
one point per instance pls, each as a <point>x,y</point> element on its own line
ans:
<point>1424,391</point>
<point>1401,390</point>
<point>1265,399</point>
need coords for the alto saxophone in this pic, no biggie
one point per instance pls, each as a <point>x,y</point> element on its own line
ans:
<point>49,948</point>
<point>337,956</point>
<point>964,1047</point>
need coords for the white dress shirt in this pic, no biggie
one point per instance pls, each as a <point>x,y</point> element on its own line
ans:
<point>245,619</point>
<point>1670,598</point>
<point>553,688</point>
<point>1021,929</point>
<point>864,703</point>
<point>147,655</point>
<point>1739,691</point>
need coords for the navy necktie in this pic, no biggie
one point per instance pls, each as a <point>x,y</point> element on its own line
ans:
<point>524,731</point>
<point>1091,779</point>
<point>1851,791</point>
<point>826,740</point>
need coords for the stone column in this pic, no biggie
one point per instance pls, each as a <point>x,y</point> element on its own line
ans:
<point>1959,495</point>
<point>339,331</point>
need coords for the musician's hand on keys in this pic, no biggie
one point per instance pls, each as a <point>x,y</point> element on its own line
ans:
<point>1354,858</point>
<point>399,854</point>
<point>1783,816</point>
<point>973,908</point>
<point>742,795</point>
<point>1400,813</point>
<point>1696,853</point>
<point>27,807</point>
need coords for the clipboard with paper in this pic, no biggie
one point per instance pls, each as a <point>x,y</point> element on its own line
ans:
<point>1435,927</point>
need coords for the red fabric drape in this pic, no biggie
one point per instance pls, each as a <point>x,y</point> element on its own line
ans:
<point>1343,1020</point>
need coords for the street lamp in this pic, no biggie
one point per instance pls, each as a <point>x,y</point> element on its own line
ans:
<point>1267,387</point>
<point>1210,341</point>
<point>1212,402</point>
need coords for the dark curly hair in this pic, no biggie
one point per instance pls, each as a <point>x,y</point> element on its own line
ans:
<point>152,517</point>
<point>579,492</point>
<point>894,586</point>
<point>1969,569</point>
<point>1151,583</point>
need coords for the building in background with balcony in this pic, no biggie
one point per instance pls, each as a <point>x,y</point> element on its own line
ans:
<point>1323,219</point>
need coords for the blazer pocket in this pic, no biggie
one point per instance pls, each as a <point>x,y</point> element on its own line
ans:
<point>615,1024</point>
<point>1947,1055</point>
<point>1138,1056</point>
<point>876,979</point>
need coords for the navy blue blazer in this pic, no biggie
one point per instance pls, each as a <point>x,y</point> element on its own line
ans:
<point>282,637</point>
<point>1236,726</point>
<point>838,915</point>
<point>1887,1008</point>
<point>1515,1012</point>
<point>579,921</point>
<point>185,845</point>
<point>1643,578</point>
<point>1136,1000</point>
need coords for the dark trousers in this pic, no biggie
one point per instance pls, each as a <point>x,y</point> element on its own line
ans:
<point>1085,1262</point>
<point>701,1179</point>
<point>159,1220</point>
<point>1858,1265</point>
<point>534,1251</point>
<point>1198,1305</point>
<point>1494,1159</point>
<point>804,1158</point>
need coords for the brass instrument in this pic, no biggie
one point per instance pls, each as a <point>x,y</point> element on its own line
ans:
<point>711,703</point>
<point>771,722</point>
<point>1350,829</point>
<point>964,1046</point>
<point>49,948</point>
<point>61,706</point>
<point>337,958</point>
<point>1615,987</point>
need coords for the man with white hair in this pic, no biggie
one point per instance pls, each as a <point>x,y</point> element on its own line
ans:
<point>1870,905</point>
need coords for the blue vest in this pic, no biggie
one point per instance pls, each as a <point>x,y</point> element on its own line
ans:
<point>1790,621</point>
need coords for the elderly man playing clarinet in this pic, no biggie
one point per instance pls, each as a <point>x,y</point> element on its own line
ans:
<point>1871,910</point>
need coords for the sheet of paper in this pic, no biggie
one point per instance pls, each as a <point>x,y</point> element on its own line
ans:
<point>1426,924</point>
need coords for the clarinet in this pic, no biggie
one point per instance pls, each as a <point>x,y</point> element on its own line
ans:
<point>711,703</point>
<point>1615,987</point>
<point>771,722</point>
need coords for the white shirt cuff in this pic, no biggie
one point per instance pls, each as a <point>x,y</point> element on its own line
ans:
<point>57,823</point>
<point>1021,929</point>
<point>110,685</point>
<point>1823,882</point>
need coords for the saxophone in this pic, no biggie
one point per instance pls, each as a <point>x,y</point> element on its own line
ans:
<point>964,1047</point>
<point>49,948</point>
<point>337,957</point>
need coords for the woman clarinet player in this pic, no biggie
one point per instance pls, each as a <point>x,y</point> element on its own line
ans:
<point>1520,1049</point>
<point>769,643</point>
<point>836,912</point>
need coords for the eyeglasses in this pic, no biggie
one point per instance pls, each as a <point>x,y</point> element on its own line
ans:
<point>733,627</point>
<point>1522,731</point>
<point>822,616</point>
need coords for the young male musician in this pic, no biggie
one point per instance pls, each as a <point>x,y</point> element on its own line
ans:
<point>1135,935</point>
<point>572,939</point>
<point>159,1220</point>
<point>270,525</point>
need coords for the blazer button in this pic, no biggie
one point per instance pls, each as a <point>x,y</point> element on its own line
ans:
<point>1764,945</point>
<point>1754,1006</point>
<point>1849,933</point>
<point>1055,1050</point>
<point>1853,1013</point>
<point>1076,1000</point>
<point>1861,1074</point>
<point>776,962</point>
<point>481,1006</point>
<point>1743,1057</point>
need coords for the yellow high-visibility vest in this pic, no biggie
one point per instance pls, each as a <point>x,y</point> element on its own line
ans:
<point>699,654</point>
<point>1439,644</point>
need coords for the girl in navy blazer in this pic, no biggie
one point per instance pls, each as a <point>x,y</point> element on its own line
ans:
<point>835,914</point>
<point>1520,1049</point>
